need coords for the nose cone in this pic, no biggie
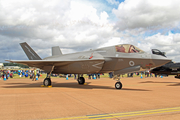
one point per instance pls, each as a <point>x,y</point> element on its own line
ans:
<point>159,60</point>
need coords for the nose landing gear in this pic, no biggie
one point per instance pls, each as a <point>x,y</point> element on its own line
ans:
<point>118,84</point>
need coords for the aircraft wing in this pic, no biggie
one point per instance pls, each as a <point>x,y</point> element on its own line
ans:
<point>39,63</point>
<point>42,63</point>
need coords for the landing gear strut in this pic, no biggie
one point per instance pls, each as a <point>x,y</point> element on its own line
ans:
<point>47,80</point>
<point>81,80</point>
<point>118,84</point>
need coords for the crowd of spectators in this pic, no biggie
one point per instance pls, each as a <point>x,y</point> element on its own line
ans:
<point>20,73</point>
<point>31,75</point>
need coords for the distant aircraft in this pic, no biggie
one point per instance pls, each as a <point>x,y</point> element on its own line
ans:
<point>118,59</point>
<point>167,69</point>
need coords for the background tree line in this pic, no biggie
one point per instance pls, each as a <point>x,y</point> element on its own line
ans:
<point>16,64</point>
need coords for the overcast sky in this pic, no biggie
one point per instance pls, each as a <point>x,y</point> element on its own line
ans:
<point>79,25</point>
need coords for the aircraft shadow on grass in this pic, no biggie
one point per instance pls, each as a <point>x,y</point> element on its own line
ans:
<point>174,83</point>
<point>67,85</point>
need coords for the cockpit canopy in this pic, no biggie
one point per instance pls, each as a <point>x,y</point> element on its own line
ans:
<point>127,48</point>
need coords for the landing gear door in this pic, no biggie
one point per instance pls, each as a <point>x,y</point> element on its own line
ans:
<point>47,69</point>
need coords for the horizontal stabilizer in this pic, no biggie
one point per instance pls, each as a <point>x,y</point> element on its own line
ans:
<point>31,54</point>
<point>56,51</point>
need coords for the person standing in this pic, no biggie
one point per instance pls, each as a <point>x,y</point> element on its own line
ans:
<point>75,76</point>
<point>89,76</point>
<point>11,75</point>
<point>98,75</point>
<point>34,75</point>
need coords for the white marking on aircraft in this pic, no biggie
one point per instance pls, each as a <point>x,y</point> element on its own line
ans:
<point>120,60</point>
<point>131,63</point>
<point>30,52</point>
<point>95,65</point>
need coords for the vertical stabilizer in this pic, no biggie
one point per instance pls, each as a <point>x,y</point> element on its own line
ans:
<point>31,54</point>
<point>56,51</point>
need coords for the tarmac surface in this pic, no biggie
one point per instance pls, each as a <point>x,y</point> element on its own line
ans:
<point>139,99</point>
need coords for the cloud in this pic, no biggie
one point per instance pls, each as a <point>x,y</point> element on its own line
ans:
<point>149,14</point>
<point>71,25</point>
<point>77,25</point>
<point>166,43</point>
<point>112,41</point>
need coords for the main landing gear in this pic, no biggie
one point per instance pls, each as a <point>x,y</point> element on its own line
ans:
<point>118,84</point>
<point>81,80</point>
<point>47,80</point>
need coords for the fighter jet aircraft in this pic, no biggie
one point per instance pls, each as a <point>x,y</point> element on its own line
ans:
<point>118,59</point>
<point>170,68</point>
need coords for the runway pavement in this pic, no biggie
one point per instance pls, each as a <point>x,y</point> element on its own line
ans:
<point>139,99</point>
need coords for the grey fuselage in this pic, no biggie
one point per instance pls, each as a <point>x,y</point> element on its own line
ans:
<point>103,60</point>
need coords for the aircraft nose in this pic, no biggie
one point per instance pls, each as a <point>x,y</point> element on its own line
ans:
<point>159,60</point>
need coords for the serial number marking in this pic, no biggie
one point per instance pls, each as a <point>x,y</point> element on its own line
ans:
<point>85,66</point>
<point>120,60</point>
<point>83,57</point>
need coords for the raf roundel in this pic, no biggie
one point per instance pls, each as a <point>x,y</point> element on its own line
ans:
<point>131,63</point>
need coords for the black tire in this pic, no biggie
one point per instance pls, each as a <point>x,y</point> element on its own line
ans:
<point>81,80</point>
<point>118,85</point>
<point>47,82</point>
<point>178,77</point>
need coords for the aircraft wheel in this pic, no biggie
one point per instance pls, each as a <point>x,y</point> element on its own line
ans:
<point>118,85</point>
<point>177,77</point>
<point>47,82</point>
<point>81,80</point>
